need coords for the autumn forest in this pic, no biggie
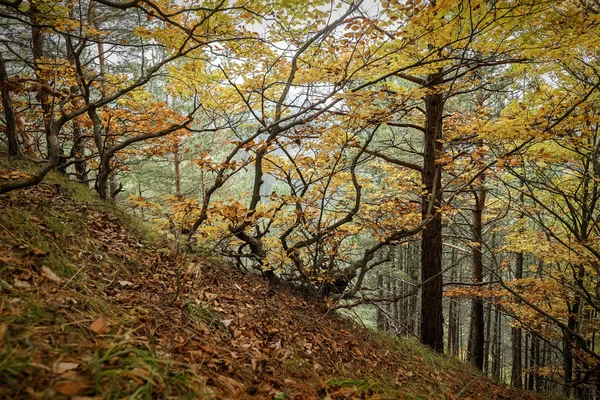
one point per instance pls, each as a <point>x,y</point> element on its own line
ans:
<point>426,168</point>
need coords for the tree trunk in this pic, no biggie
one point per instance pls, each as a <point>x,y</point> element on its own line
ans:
<point>476,337</point>
<point>9,114</point>
<point>432,329</point>
<point>177,162</point>
<point>532,364</point>
<point>414,299</point>
<point>380,316</point>
<point>568,342</point>
<point>452,322</point>
<point>37,48</point>
<point>488,341</point>
<point>497,349</point>
<point>78,149</point>
<point>517,337</point>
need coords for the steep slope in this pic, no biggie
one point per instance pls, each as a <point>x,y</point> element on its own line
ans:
<point>89,309</point>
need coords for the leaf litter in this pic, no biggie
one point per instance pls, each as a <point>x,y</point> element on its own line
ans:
<point>121,327</point>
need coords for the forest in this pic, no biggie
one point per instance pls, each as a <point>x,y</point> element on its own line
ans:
<point>429,168</point>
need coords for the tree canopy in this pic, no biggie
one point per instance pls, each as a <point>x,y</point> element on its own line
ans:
<point>319,142</point>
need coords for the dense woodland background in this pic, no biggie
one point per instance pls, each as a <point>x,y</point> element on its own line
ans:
<point>429,167</point>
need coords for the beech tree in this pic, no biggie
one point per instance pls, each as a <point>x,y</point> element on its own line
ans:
<point>331,144</point>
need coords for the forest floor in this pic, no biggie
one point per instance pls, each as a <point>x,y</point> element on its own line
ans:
<point>89,308</point>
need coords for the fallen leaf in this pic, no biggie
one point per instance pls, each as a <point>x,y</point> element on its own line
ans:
<point>71,388</point>
<point>100,326</point>
<point>449,395</point>
<point>3,331</point>
<point>22,284</point>
<point>286,355</point>
<point>38,252</point>
<point>141,372</point>
<point>125,283</point>
<point>226,322</point>
<point>47,273</point>
<point>60,367</point>
<point>35,219</point>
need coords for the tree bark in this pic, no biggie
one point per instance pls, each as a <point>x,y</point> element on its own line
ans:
<point>517,337</point>
<point>177,162</point>
<point>476,336</point>
<point>9,114</point>
<point>37,48</point>
<point>380,316</point>
<point>432,329</point>
<point>488,342</point>
<point>497,350</point>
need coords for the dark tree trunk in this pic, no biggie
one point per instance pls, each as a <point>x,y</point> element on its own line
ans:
<point>115,186</point>
<point>389,307</point>
<point>476,338</point>
<point>488,341</point>
<point>538,366</point>
<point>432,329</point>
<point>380,316</point>
<point>9,114</point>
<point>517,337</point>
<point>42,95</point>
<point>532,365</point>
<point>452,336</point>
<point>414,300</point>
<point>78,149</point>
<point>497,349</point>
<point>568,341</point>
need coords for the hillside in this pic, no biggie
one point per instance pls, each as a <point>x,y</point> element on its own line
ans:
<point>90,308</point>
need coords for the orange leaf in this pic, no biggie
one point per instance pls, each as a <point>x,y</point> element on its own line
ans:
<point>100,326</point>
<point>71,388</point>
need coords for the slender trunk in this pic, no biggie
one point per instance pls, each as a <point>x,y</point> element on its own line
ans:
<point>115,187</point>
<point>9,114</point>
<point>380,316</point>
<point>78,152</point>
<point>568,342</point>
<point>538,366</point>
<point>526,365</point>
<point>177,162</point>
<point>414,300</point>
<point>389,306</point>
<point>516,336</point>
<point>396,308</point>
<point>532,365</point>
<point>476,337</point>
<point>452,323</point>
<point>42,95</point>
<point>488,341</point>
<point>497,351</point>
<point>78,149</point>
<point>432,324</point>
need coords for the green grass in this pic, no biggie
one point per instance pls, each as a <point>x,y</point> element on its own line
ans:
<point>371,386</point>
<point>295,365</point>
<point>210,318</point>
<point>125,371</point>
<point>20,228</point>
<point>360,385</point>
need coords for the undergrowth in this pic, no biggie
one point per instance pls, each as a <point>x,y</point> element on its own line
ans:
<point>93,303</point>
